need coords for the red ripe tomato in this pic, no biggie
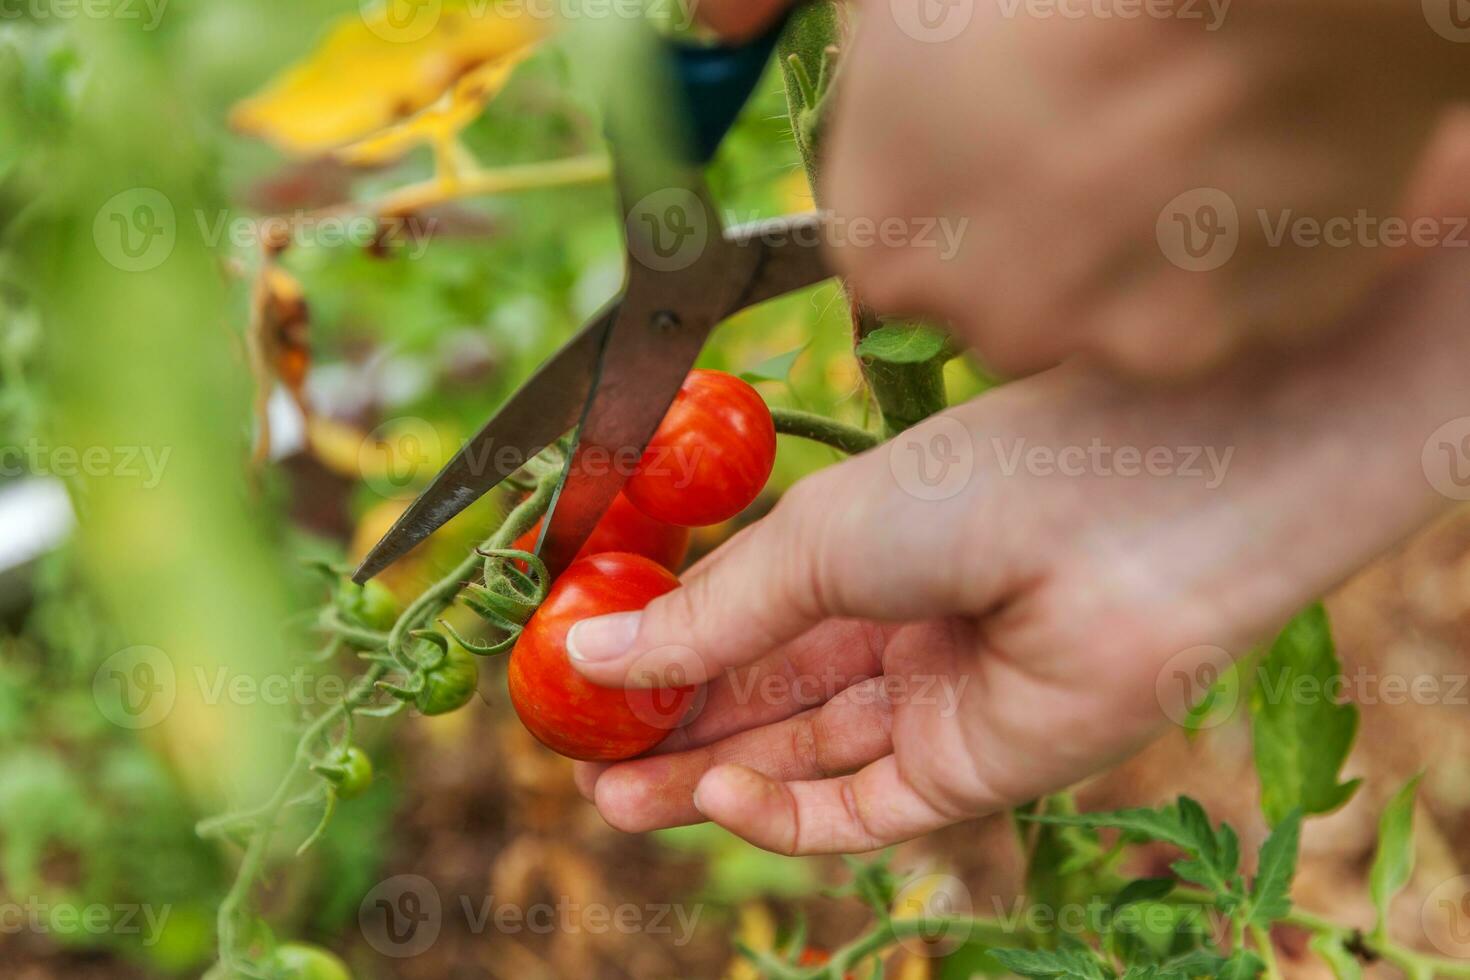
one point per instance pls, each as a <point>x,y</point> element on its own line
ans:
<point>568,713</point>
<point>812,956</point>
<point>711,455</point>
<point>626,528</point>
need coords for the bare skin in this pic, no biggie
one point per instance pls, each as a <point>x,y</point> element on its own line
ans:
<point>882,664</point>
<point>1064,141</point>
<point>1021,625</point>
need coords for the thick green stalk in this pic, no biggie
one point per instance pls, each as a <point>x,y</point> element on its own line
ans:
<point>906,393</point>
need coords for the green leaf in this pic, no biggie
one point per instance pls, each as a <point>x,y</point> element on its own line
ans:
<point>1243,964</point>
<point>1217,855</point>
<point>1394,862</point>
<point>1066,964</point>
<point>1301,735</point>
<point>1142,890</point>
<point>1196,963</point>
<point>1162,824</point>
<point>1062,861</point>
<point>776,368</point>
<point>1213,857</point>
<point>1344,964</point>
<point>1271,891</point>
<point>907,344</point>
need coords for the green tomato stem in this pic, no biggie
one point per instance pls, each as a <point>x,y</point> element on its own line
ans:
<point>818,428</point>
<point>263,818</point>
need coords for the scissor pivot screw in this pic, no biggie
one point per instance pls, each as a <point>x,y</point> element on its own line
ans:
<point>666,321</point>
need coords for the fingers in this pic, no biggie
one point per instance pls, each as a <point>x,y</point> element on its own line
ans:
<point>739,20</point>
<point>765,587</point>
<point>846,733</point>
<point>805,673</point>
<point>850,814</point>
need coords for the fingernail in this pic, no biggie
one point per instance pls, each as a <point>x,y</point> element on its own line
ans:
<point>604,638</point>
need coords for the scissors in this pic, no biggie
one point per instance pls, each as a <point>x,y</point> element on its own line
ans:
<point>614,380</point>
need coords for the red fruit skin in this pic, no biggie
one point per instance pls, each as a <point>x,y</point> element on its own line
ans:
<point>711,455</point>
<point>568,713</point>
<point>626,528</point>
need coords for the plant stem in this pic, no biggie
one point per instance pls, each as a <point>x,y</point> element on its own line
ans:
<point>818,428</point>
<point>263,818</point>
<point>496,180</point>
<point>1412,962</point>
<point>906,392</point>
<point>1264,943</point>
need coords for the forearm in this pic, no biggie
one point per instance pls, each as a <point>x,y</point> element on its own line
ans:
<point>1341,449</point>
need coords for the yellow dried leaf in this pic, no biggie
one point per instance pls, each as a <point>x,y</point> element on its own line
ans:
<point>441,122</point>
<point>757,930</point>
<point>379,67</point>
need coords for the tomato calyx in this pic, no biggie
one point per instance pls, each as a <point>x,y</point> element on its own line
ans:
<point>516,583</point>
<point>349,772</point>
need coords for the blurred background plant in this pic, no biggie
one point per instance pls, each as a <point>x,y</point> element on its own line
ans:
<point>258,394</point>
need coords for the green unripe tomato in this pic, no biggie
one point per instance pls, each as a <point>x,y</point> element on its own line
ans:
<point>372,605</point>
<point>301,961</point>
<point>452,685</point>
<point>359,772</point>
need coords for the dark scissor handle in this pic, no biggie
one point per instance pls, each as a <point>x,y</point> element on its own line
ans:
<point>716,83</point>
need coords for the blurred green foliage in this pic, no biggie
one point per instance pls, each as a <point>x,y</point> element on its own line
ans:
<point>89,355</point>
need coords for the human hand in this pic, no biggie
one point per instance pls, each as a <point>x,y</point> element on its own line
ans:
<point>882,665</point>
<point>1154,191</point>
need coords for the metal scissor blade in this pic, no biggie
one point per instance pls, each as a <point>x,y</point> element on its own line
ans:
<point>542,410</point>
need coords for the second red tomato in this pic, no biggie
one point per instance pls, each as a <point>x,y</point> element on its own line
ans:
<point>626,528</point>
<point>711,455</point>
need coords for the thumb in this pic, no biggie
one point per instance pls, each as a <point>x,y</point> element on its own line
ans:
<point>738,20</point>
<point>767,585</point>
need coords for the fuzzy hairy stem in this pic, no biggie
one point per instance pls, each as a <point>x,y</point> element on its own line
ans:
<point>906,393</point>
